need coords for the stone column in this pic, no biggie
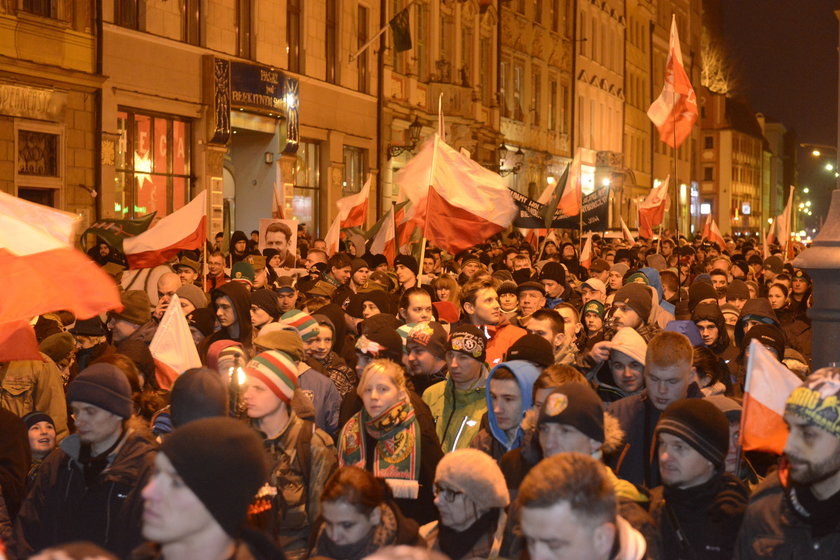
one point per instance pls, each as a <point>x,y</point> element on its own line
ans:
<point>822,261</point>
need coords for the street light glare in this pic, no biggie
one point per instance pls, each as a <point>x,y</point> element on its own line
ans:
<point>816,153</point>
<point>806,190</point>
<point>829,167</point>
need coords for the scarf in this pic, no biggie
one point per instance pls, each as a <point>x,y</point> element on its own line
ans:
<point>397,434</point>
<point>457,545</point>
<point>384,534</point>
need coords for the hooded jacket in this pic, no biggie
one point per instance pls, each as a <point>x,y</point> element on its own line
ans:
<point>655,281</point>
<point>756,309</point>
<point>722,347</point>
<point>457,413</point>
<point>241,299</point>
<point>235,257</point>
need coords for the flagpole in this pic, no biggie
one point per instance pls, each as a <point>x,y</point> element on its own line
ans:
<point>676,212</point>
<point>659,241</point>
<point>207,230</point>
<point>385,27</point>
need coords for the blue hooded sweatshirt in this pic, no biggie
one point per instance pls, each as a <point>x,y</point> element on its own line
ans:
<point>526,373</point>
<point>656,281</point>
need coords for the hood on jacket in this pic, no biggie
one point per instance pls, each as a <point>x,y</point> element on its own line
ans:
<point>711,312</point>
<point>757,309</point>
<point>525,373</point>
<point>688,328</point>
<point>655,281</point>
<point>335,313</point>
<point>241,299</point>
<point>236,237</point>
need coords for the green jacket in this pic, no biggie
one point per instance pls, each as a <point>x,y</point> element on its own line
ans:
<point>457,413</point>
<point>30,385</point>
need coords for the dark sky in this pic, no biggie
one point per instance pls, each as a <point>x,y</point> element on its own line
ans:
<point>786,51</point>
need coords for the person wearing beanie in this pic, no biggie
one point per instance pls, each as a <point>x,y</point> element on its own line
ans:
<point>553,278</point>
<point>631,307</point>
<point>197,393</point>
<point>191,298</point>
<point>187,513</point>
<point>532,348</point>
<point>616,276</point>
<point>89,488</point>
<point>700,506</point>
<point>40,429</point>
<point>425,348</point>
<point>359,272</point>
<point>471,498</point>
<point>136,312</point>
<point>458,403</point>
<point>796,506</point>
<point>243,273</point>
<point>264,308</point>
<point>405,267</point>
<point>737,293</point>
<point>508,301</point>
<point>322,350</point>
<point>270,382</point>
<point>593,324</point>
<point>701,292</point>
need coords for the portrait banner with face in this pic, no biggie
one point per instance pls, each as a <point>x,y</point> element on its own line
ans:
<point>280,235</point>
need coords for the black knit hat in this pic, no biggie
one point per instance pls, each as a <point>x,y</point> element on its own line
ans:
<point>699,291</point>
<point>533,348</point>
<point>267,301</point>
<point>553,271</point>
<point>197,393</point>
<point>35,416</point>
<point>737,289</point>
<point>637,297</point>
<point>105,386</point>
<point>407,261</point>
<point>222,461</point>
<point>468,339</point>
<point>701,425</point>
<point>768,335</point>
<point>577,405</point>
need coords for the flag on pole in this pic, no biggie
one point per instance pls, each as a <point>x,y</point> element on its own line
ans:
<point>783,222</point>
<point>353,209</point>
<point>278,212</point>
<point>770,239</point>
<point>385,241</point>
<point>768,385</point>
<point>711,232</point>
<point>458,203</point>
<point>333,236</point>
<point>113,232</point>
<point>586,252</point>
<point>675,110</point>
<point>172,346</point>
<point>566,197</point>
<point>652,209</point>
<point>626,232</point>
<point>181,230</point>
<point>401,29</point>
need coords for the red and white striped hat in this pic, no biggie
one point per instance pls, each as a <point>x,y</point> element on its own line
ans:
<point>277,370</point>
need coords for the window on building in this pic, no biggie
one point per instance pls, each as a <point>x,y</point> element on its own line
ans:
<point>244,23</point>
<point>708,173</point>
<point>294,36</point>
<point>447,48</point>
<point>536,96</point>
<point>306,195</point>
<point>354,169</point>
<point>563,120</point>
<point>331,41</point>
<point>126,12</point>
<point>552,104</point>
<point>397,58</point>
<point>504,89</point>
<point>486,70</point>
<point>466,56</point>
<point>538,11</point>
<point>554,14</point>
<point>708,142</point>
<point>191,32</point>
<point>43,8</point>
<point>362,22</point>
<point>593,39</point>
<point>420,40</point>
<point>518,90</point>
<point>153,164</point>
<point>39,162</point>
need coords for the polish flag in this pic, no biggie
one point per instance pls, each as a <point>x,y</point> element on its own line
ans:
<point>652,209</point>
<point>675,110</point>
<point>768,385</point>
<point>711,232</point>
<point>783,222</point>
<point>173,347</point>
<point>458,203</point>
<point>626,232</point>
<point>353,209</point>
<point>586,253</point>
<point>43,272</point>
<point>181,230</point>
<point>333,236</point>
<point>385,243</point>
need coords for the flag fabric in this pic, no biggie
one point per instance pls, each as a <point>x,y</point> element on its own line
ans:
<point>771,238</point>
<point>768,385</point>
<point>652,209</point>
<point>184,229</point>
<point>586,253</point>
<point>353,209</point>
<point>675,110</point>
<point>172,346</point>
<point>625,231</point>
<point>457,202</point>
<point>43,272</point>
<point>711,232</point>
<point>560,193</point>
<point>333,236</point>
<point>18,342</point>
<point>401,29</point>
<point>385,241</point>
<point>113,232</point>
<point>783,222</point>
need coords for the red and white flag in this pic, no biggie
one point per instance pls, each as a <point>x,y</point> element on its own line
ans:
<point>173,347</point>
<point>652,209</point>
<point>711,232</point>
<point>783,222</point>
<point>181,230</point>
<point>572,197</point>
<point>458,203</point>
<point>626,233</point>
<point>333,236</point>
<point>586,253</point>
<point>675,110</point>
<point>43,272</point>
<point>770,239</point>
<point>353,209</point>
<point>385,242</point>
<point>768,385</point>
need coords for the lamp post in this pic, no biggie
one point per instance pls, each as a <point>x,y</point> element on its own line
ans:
<point>518,158</point>
<point>413,137</point>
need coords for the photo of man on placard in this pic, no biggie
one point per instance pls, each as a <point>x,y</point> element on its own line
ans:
<point>280,235</point>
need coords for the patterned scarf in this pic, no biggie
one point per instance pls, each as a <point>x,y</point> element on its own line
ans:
<point>397,435</point>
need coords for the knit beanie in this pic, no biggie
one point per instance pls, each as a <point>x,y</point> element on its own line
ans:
<point>638,278</point>
<point>192,294</point>
<point>430,336</point>
<point>576,405</point>
<point>637,297</point>
<point>34,417</point>
<point>277,370</point>
<point>816,399</point>
<point>737,289</point>
<point>768,335</point>
<point>553,271</point>
<point>730,309</point>
<point>379,298</point>
<point>276,336</point>
<point>407,261</point>
<point>594,306</point>
<point>58,346</point>
<point>137,308</point>
<point>620,268</point>
<point>600,265</point>
<point>628,341</point>
<point>699,291</point>
<point>105,386</point>
<point>222,461</point>
<point>476,475</point>
<point>468,339</point>
<point>306,326</point>
<point>730,407</point>
<point>197,393</point>
<point>356,264</point>
<point>267,301</point>
<point>507,287</point>
<point>532,348</point>
<point>700,424</point>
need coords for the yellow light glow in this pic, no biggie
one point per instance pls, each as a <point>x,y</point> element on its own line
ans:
<point>551,180</point>
<point>806,190</point>
<point>816,153</point>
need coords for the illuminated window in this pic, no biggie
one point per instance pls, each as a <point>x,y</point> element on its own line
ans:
<point>153,164</point>
<point>354,169</point>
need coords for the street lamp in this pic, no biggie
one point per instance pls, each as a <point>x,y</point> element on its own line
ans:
<point>518,158</point>
<point>413,137</point>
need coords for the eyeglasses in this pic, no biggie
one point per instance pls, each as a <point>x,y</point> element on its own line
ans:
<point>448,494</point>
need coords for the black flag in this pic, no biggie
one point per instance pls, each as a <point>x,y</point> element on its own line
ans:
<point>401,30</point>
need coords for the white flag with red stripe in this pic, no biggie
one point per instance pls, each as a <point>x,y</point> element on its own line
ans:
<point>586,252</point>
<point>385,242</point>
<point>675,110</point>
<point>333,236</point>
<point>652,209</point>
<point>181,230</point>
<point>173,345</point>
<point>783,222</point>
<point>353,209</point>
<point>626,233</point>
<point>767,386</point>
<point>711,232</point>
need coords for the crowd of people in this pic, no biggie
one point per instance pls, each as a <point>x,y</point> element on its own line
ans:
<point>509,401</point>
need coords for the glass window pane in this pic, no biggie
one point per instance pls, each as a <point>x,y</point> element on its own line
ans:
<point>151,194</point>
<point>179,192</point>
<point>161,132</point>
<point>180,148</point>
<point>304,207</point>
<point>121,195</point>
<point>122,144</point>
<point>142,143</point>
